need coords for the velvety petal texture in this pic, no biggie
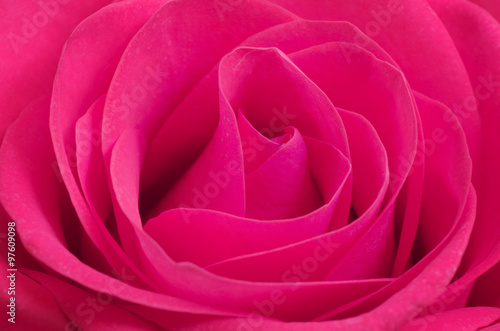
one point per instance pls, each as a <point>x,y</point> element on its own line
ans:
<point>250,165</point>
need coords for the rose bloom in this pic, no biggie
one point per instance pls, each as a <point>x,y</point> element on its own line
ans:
<point>250,165</point>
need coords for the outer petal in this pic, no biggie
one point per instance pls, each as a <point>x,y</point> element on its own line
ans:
<point>35,306</point>
<point>418,42</point>
<point>76,89</point>
<point>91,311</point>
<point>460,319</point>
<point>477,38</point>
<point>33,35</point>
<point>178,63</point>
<point>492,6</point>
<point>26,178</point>
<point>392,314</point>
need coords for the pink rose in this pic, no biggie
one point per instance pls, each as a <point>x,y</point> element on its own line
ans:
<point>250,165</point>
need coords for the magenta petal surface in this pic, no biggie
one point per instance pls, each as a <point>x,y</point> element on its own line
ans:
<point>250,164</point>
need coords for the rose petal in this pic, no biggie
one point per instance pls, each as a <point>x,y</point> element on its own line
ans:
<point>279,260</point>
<point>446,147</point>
<point>27,178</point>
<point>368,194</point>
<point>89,161</point>
<point>177,63</point>
<point>256,147</point>
<point>415,289</point>
<point>34,305</point>
<point>491,6</point>
<point>248,72</point>
<point>307,34</point>
<point>448,171</point>
<point>282,187</point>
<point>403,102</point>
<point>369,162</point>
<point>90,311</point>
<point>191,126</point>
<point>176,230</point>
<point>351,73</point>
<point>418,42</point>
<point>107,33</point>
<point>385,95</point>
<point>23,181</point>
<point>71,101</point>
<point>407,211</point>
<point>285,97</point>
<point>27,168</point>
<point>216,180</point>
<point>34,36</point>
<point>124,171</point>
<point>460,319</point>
<point>310,33</point>
<point>474,32</point>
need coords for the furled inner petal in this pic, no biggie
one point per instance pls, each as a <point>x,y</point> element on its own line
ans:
<point>371,87</point>
<point>226,236</point>
<point>282,186</point>
<point>272,93</point>
<point>257,148</point>
<point>369,163</point>
<point>178,143</point>
<point>149,83</point>
<point>215,181</point>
